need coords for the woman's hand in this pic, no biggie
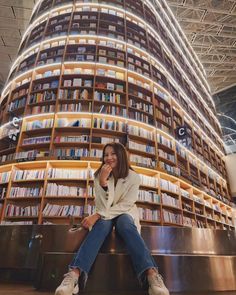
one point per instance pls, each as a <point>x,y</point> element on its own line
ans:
<point>89,221</point>
<point>104,174</point>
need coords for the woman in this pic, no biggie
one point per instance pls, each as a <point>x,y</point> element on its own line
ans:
<point>116,191</point>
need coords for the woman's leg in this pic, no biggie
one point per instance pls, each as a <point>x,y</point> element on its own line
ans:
<point>136,247</point>
<point>143,263</point>
<point>90,247</point>
<point>84,258</point>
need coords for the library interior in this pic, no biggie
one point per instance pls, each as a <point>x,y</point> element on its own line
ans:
<point>91,72</point>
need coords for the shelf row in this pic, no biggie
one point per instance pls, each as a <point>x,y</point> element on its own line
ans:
<point>76,136</point>
<point>52,190</point>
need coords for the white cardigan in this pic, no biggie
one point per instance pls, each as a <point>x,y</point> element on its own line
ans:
<point>118,199</point>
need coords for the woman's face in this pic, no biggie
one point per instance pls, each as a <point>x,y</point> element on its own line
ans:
<point>110,157</point>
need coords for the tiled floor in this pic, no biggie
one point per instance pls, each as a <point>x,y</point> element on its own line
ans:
<point>23,289</point>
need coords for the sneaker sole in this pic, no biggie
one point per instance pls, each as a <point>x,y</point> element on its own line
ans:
<point>151,292</point>
<point>61,292</point>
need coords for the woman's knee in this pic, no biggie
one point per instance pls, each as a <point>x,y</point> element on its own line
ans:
<point>125,222</point>
<point>103,226</point>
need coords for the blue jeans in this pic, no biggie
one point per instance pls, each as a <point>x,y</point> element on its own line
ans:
<point>136,247</point>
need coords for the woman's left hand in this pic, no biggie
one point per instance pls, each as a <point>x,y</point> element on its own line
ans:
<point>89,221</point>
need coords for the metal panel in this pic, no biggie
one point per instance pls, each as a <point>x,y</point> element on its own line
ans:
<point>114,272</point>
<point>23,242</point>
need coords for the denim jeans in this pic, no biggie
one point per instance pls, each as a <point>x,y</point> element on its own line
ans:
<point>125,227</point>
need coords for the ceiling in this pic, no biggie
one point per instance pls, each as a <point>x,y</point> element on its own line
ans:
<point>210,26</point>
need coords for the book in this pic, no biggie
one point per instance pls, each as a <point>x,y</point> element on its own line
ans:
<point>77,82</point>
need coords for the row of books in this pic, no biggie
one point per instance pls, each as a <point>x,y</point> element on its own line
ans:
<point>187,207</point>
<point>149,181</point>
<point>163,140</point>
<point>26,192</point>
<point>96,153</point>
<point>142,161</point>
<point>169,168</point>
<point>54,189</point>
<point>29,174</point>
<point>170,201</point>
<point>111,110</point>
<point>166,155</point>
<point>149,214</point>
<point>42,109</point>
<point>36,140</point>
<point>170,217</point>
<point>163,127</point>
<point>13,210</point>
<point>81,138</point>
<point>140,132</point>
<point>190,222</point>
<point>78,107</point>
<point>64,122</point>
<point>112,53</point>
<point>16,222</point>
<point>199,211</point>
<point>16,104</point>
<point>185,193</point>
<point>49,60</point>
<point>107,97</point>
<point>65,210</point>
<point>109,124</point>
<point>164,118</point>
<point>139,94</point>
<point>45,86</point>
<point>21,92</point>
<point>3,191</point>
<point>180,151</point>
<point>198,199</point>
<point>163,106</point>
<point>104,140</point>
<point>5,177</point>
<point>67,173</point>
<point>149,196</point>
<point>139,117</point>
<point>47,95</point>
<point>78,82</point>
<point>141,147</point>
<point>74,94</point>
<point>72,153</point>
<point>148,108</point>
<point>111,61</point>
<point>39,124</point>
<point>169,186</point>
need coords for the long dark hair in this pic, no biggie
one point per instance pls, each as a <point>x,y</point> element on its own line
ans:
<point>123,165</point>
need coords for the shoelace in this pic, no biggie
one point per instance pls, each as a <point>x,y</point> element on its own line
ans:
<point>157,280</point>
<point>68,279</point>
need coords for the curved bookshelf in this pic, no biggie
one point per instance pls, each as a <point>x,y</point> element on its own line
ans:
<point>89,72</point>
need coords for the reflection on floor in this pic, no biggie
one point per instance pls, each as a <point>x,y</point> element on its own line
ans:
<point>23,289</point>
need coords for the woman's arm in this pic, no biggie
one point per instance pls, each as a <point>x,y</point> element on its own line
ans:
<point>101,196</point>
<point>89,221</point>
<point>127,201</point>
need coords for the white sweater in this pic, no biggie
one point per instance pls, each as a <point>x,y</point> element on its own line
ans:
<point>118,199</point>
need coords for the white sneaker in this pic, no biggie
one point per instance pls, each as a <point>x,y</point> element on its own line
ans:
<point>69,286</point>
<point>156,285</point>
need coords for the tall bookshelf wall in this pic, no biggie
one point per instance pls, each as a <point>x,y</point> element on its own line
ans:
<point>89,72</point>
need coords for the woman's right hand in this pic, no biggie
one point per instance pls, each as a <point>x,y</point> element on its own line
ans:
<point>104,174</point>
<point>89,221</point>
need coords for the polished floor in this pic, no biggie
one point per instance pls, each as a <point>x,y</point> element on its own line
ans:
<point>23,289</point>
